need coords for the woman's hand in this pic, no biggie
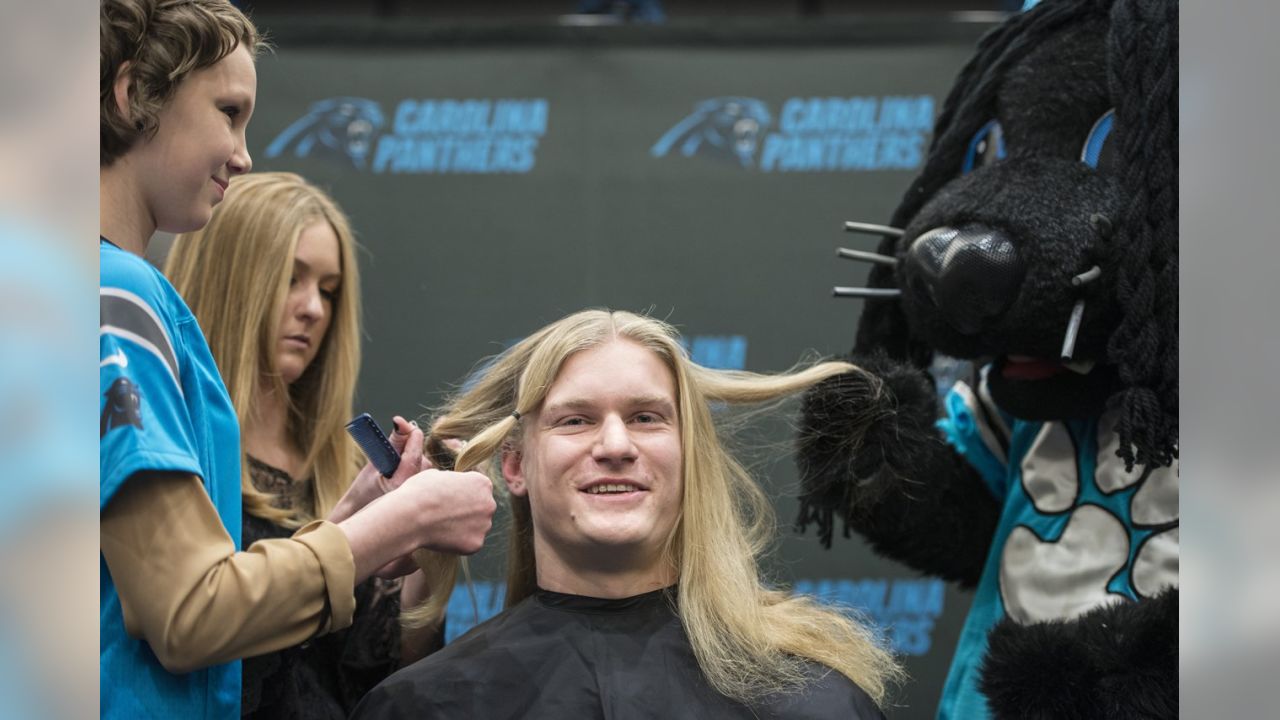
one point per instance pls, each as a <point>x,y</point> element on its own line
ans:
<point>404,565</point>
<point>369,484</point>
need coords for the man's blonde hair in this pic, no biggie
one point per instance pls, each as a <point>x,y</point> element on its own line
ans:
<point>163,41</point>
<point>750,640</point>
<point>234,274</point>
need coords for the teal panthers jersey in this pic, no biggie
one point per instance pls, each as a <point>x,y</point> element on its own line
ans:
<point>163,407</point>
<point>1076,530</point>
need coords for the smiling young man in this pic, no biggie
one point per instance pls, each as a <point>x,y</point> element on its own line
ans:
<point>600,468</point>
<point>633,586</point>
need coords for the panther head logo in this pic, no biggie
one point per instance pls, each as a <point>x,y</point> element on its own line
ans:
<point>341,126</point>
<point>725,127</point>
<point>124,406</point>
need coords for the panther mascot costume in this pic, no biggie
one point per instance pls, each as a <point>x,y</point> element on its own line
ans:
<point>1040,244</point>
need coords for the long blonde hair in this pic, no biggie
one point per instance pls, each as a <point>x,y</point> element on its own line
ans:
<point>234,274</point>
<point>750,640</point>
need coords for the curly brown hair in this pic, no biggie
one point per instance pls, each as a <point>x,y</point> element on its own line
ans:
<point>163,41</point>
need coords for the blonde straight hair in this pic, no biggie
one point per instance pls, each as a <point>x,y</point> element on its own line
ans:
<point>234,274</point>
<point>750,640</point>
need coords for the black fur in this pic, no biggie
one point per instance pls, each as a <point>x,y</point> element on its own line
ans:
<point>1118,661</point>
<point>882,465</point>
<point>1143,53</point>
<point>1044,206</point>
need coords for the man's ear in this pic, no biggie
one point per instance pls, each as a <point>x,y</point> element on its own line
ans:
<point>122,87</point>
<point>513,471</point>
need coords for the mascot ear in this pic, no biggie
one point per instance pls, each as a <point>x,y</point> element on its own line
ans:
<point>1144,65</point>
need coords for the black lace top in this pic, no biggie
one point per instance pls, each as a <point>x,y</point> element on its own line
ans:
<point>326,676</point>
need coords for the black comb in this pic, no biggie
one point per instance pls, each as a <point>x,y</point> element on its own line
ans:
<point>374,443</point>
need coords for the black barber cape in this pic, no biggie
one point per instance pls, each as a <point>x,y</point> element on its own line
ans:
<point>566,657</point>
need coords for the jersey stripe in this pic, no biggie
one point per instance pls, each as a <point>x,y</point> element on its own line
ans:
<point>125,315</point>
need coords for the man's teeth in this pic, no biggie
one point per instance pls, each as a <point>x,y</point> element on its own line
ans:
<point>610,488</point>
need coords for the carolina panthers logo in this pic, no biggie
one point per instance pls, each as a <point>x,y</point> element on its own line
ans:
<point>726,127</point>
<point>336,127</point>
<point>124,406</point>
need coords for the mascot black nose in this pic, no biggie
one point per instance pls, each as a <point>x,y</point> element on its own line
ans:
<point>970,274</point>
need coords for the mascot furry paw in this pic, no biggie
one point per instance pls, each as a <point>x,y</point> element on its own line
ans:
<point>1040,243</point>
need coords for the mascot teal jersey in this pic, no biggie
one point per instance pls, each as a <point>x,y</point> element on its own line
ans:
<point>1068,503</point>
<point>163,407</point>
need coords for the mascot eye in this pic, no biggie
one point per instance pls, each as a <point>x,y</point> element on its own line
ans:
<point>1097,151</point>
<point>986,147</point>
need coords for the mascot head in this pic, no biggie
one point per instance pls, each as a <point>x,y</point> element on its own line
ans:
<point>1042,234</point>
